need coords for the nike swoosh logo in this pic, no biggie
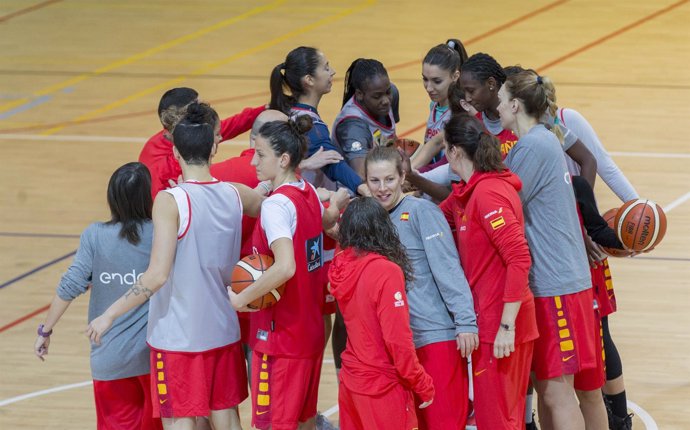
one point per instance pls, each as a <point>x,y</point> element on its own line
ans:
<point>480,372</point>
<point>163,401</point>
<point>261,413</point>
<point>568,358</point>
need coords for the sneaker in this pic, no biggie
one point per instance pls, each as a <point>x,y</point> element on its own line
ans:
<point>322,423</point>
<point>618,423</point>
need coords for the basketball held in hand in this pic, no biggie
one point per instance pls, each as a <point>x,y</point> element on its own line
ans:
<point>247,271</point>
<point>609,216</point>
<point>640,224</point>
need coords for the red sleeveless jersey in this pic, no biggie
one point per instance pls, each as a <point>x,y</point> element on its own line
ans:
<point>293,327</point>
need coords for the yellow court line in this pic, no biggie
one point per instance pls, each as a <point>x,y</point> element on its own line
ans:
<point>141,55</point>
<point>177,80</point>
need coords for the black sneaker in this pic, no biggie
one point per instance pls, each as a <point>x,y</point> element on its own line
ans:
<point>322,423</point>
<point>618,423</point>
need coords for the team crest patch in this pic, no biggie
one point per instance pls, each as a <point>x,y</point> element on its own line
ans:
<point>497,223</point>
<point>398,299</point>
<point>314,253</point>
<point>405,216</point>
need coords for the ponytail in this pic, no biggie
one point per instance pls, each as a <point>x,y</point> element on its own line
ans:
<point>448,56</point>
<point>279,100</point>
<point>467,132</point>
<point>537,94</point>
<point>299,63</point>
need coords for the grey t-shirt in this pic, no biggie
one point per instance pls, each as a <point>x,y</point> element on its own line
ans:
<point>112,265</point>
<point>441,304</point>
<point>552,227</point>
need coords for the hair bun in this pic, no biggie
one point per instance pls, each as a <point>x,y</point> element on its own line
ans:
<point>539,80</point>
<point>301,124</point>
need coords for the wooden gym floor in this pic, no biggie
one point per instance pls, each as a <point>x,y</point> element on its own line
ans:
<point>79,85</point>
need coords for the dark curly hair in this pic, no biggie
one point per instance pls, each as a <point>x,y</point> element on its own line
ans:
<point>366,227</point>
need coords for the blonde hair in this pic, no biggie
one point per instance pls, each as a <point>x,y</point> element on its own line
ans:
<point>537,94</point>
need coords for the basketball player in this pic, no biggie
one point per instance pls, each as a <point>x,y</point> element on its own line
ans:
<point>308,75</point>
<point>157,153</point>
<point>196,356</point>
<point>287,338</point>
<point>110,258</point>
<point>559,277</point>
<point>486,214</point>
<point>380,367</point>
<point>369,112</point>
<point>442,317</point>
<point>440,71</point>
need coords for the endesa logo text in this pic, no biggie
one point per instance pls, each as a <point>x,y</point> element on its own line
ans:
<point>125,279</point>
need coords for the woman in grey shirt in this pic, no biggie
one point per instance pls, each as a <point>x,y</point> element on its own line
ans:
<point>110,258</point>
<point>442,318</point>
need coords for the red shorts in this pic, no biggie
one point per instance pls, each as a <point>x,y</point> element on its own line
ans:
<point>188,384</point>
<point>243,318</point>
<point>594,378</point>
<point>125,404</point>
<point>500,386</point>
<point>393,410</point>
<point>565,345</point>
<point>284,390</point>
<point>443,362</point>
<point>605,296</point>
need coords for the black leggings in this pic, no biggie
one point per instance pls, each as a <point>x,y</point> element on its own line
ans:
<point>614,366</point>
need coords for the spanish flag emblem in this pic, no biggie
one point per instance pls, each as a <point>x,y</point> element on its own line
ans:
<point>405,216</point>
<point>497,223</point>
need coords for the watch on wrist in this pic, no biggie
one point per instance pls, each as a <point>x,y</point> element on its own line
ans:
<point>42,333</point>
<point>507,327</point>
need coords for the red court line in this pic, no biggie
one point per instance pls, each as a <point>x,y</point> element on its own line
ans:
<point>493,31</point>
<point>475,39</point>
<point>590,45</point>
<point>24,318</point>
<point>611,35</point>
<point>27,10</point>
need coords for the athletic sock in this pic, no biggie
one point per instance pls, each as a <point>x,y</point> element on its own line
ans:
<point>618,404</point>
<point>528,409</point>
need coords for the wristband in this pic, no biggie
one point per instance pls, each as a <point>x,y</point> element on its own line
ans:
<point>42,333</point>
<point>507,327</point>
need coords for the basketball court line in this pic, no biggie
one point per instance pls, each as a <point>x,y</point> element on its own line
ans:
<point>144,54</point>
<point>26,10</point>
<point>39,235</point>
<point>215,64</point>
<point>677,202</point>
<point>643,415</point>
<point>588,46</point>
<point>475,39</point>
<point>37,269</point>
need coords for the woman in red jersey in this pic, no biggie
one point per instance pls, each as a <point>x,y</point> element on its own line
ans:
<point>486,213</point>
<point>287,338</point>
<point>380,367</point>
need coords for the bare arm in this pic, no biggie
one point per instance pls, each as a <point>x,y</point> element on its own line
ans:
<point>251,199</point>
<point>429,150</point>
<point>282,270</point>
<point>57,309</point>
<point>588,164</point>
<point>504,343</point>
<point>165,222</point>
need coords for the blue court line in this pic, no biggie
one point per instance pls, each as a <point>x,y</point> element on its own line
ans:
<point>26,106</point>
<point>46,235</point>
<point>37,269</point>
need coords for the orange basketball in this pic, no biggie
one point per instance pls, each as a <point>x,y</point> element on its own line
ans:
<point>609,216</point>
<point>640,224</point>
<point>408,145</point>
<point>247,271</point>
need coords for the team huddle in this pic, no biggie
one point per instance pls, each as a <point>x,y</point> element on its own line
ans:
<point>463,272</point>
